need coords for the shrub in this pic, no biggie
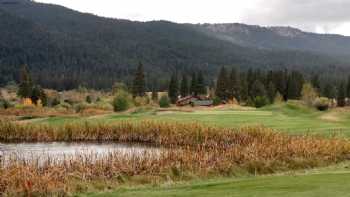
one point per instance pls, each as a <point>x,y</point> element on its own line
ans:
<point>81,107</point>
<point>55,102</point>
<point>141,101</point>
<point>164,102</point>
<point>217,101</point>
<point>260,101</point>
<point>321,104</point>
<point>104,106</point>
<point>64,105</point>
<point>88,99</point>
<point>122,101</point>
<point>5,104</point>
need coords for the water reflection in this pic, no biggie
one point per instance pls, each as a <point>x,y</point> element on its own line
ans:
<point>62,150</point>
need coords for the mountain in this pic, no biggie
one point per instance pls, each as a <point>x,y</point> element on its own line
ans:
<point>65,48</point>
<point>278,38</point>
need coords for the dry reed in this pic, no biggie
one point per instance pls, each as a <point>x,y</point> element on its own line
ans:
<point>193,149</point>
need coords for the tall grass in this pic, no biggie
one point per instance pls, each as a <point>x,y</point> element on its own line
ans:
<point>193,150</point>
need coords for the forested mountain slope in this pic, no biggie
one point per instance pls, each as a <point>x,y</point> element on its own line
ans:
<point>286,38</point>
<point>65,48</point>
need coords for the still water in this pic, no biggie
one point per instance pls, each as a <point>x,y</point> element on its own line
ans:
<point>61,150</point>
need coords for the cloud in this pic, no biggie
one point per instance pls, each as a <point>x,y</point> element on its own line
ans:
<point>323,16</point>
<point>313,15</point>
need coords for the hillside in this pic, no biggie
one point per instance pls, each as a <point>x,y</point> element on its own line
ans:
<point>65,48</point>
<point>279,38</point>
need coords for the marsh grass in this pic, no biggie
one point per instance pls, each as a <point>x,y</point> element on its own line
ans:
<point>192,150</point>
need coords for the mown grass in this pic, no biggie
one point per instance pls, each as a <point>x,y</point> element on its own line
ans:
<point>309,185</point>
<point>290,117</point>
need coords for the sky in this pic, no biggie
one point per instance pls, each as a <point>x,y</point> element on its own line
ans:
<point>321,16</point>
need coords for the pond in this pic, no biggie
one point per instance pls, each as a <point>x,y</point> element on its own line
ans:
<point>62,150</point>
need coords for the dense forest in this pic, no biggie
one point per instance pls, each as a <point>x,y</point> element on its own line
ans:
<point>65,49</point>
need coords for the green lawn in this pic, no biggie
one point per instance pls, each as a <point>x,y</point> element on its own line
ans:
<point>292,118</point>
<point>327,184</point>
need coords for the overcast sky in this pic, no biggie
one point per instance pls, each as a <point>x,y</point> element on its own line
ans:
<point>322,16</point>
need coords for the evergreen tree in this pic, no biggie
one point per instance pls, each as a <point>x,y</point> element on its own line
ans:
<point>25,83</point>
<point>348,88</point>
<point>295,85</point>
<point>269,78</point>
<point>330,91</point>
<point>222,85</point>
<point>36,94</point>
<point>341,95</point>
<point>281,81</point>
<point>193,88</point>
<point>234,85</point>
<point>258,89</point>
<point>244,88</point>
<point>315,81</point>
<point>154,95</point>
<point>138,88</point>
<point>250,81</point>
<point>201,89</point>
<point>184,90</point>
<point>271,92</point>
<point>173,89</point>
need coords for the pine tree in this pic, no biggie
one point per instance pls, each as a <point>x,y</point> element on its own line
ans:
<point>295,85</point>
<point>330,91</point>
<point>184,90</point>
<point>281,81</point>
<point>193,88</point>
<point>222,85</point>
<point>244,87</point>
<point>234,85</point>
<point>201,89</point>
<point>36,94</point>
<point>138,88</point>
<point>315,81</point>
<point>348,88</point>
<point>250,81</point>
<point>154,91</point>
<point>154,95</point>
<point>341,95</point>
<point>271,92</point>
<point>25,84</point>
<point>258,89</point>
<point>173,89</point>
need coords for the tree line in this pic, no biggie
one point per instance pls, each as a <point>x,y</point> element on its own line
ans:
<point>256,87</point>
<point>252,87</point>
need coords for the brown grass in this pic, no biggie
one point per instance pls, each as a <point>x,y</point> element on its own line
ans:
<point>35,111</point>
<point>194,150</point>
